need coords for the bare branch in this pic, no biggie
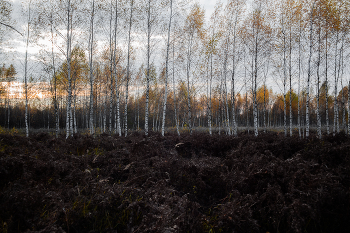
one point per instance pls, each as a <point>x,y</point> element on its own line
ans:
<point>11,27</point>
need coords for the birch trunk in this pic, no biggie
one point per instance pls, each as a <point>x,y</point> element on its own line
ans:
<point>234,122</point>
<point>75,117</point>
<point>91,42</point>
<point>255,104</point>
<point>227,120</point>
<point>111,65</point>
<point>309,76</point>
<point>349,109</point>
<point>341,78</point>
<point>55,78</point>
<point>26,73</point>
<point>299,76</point>
<point>174,90</point>
<point>69,122</point>
<point>117,120</point>
<point>284,82</point>
<point>148,67</point>
<point>189,53</point>
<point>290,86</point>
<point>209,105</point>
<point>319,133</point>
<point>166,68</point>
<point>326,87</point>
<point>128,72</point>
<point>264,110</point>
<point>335,86</point>
<point>342,96</point>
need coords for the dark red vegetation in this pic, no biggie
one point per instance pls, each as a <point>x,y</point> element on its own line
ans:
<point>197,183</point>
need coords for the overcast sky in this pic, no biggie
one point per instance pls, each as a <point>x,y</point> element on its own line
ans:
<point>13,46</point>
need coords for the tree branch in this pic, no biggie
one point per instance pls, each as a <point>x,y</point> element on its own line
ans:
<point>11,28</point>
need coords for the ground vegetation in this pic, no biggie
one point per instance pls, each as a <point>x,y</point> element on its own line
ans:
<point>197,183</point>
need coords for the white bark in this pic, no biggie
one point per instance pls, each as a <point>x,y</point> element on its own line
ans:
<point>91,42</point>
<point>234,122</point>
<point>148,75</point>
<point>326,87</point>
<point>117,120</point>
<point>128,71</point>
<point>69,123</point>
<point>318,86</point>
<point>26,73</point>
<point>335,87</point>
<point>166,68</point>
<point>349,108</point>
<point>284,80</point>
<point>174,90</point>
<point>111,65</point>
<point>299,76</point>
<point>210,116</point>
<point>290,85</point>
<point>309,75</point>
<point>55,78</point>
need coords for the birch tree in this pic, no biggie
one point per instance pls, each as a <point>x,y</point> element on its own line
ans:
<point>211,51</point>
<point>234,11</point>
<point>258,34</point>
<point>91,73</point>
<point>167,67</point>
<point>26,71</point>
<point>69,121</point>
<point>311,22</point>
<point>193,31</point>
<point>128,70</point>
<point>152,20</point>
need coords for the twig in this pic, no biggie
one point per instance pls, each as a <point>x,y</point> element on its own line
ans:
<point>11,27</point>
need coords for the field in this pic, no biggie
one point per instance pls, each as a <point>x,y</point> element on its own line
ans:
<point>197,183</point>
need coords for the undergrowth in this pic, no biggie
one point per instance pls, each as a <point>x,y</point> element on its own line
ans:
<point>197,183</point>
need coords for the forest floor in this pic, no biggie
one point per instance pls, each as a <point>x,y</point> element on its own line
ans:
<point>197,183</point>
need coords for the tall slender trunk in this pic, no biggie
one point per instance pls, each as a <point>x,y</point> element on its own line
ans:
<point>111,65</point>
<point>138,109</point>
<point>227,115</point>
<point>319,133</point>
<point>299,76</point>
<point>210,116</point>
<point>128,72</point>
<point>105,111</point>
<point>335,86</point>
<point>148,67</point>
<point>284,82</point>
<point>188,68</point>
<point>264,110</point>
<point>234,122</point>
<point>290,85</point>
<point>117,116</point>
<point>174,90</point>
<point>219,112</point>
<point>91,42</point>
<point>55,79</point>
<point>309,75</point>
<point>74,114</point>
<point>255,104</point>
<point>227,120</point>
<point>326,86</point>
<point>246,93</point>
<point>69,123</point>
<point>166,68</point>
<point>349,108</point>
<point>341,78</point>
<point>26,73</point>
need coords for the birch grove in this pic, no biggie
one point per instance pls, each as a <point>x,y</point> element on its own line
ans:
<point>162,66</point>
